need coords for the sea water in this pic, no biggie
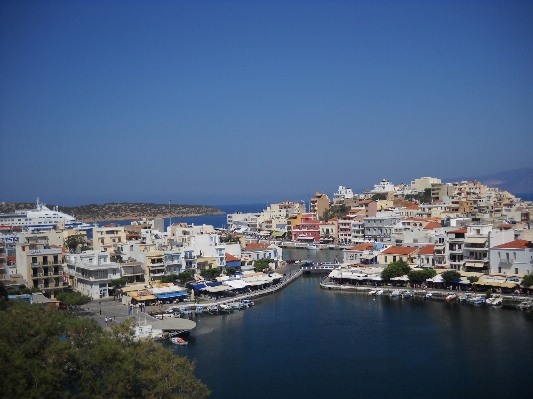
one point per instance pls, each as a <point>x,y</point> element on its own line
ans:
<point>306,342</point>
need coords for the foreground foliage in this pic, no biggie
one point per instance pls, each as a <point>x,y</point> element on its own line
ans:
<point>47,353</point>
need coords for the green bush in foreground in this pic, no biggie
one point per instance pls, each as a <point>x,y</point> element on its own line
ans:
<point>48,353</point>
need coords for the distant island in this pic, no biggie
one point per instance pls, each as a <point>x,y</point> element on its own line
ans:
<point>122,211</point>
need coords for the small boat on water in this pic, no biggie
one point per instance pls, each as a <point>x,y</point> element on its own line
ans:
<point>371,293</point>
<point>213,309</point>
<point>525,305</point>
<point>428,295</point>
<point>465,297</point>
<point>184,310</point>
<point>225,308</point>
<point>407,294</point>
<point>451,297</point>
<point>480,300</point>
<point>247,302</point>
<point>178,341</point>
<point>497,302</point>
<point>395,294</point>
<point>379,292</point>
<point>199,309</point>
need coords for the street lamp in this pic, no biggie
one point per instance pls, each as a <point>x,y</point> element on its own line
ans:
<point>100,308</point>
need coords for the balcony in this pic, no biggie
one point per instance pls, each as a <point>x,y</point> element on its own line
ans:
<point>476,258</point>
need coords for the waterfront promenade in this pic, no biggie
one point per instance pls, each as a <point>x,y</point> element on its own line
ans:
<point>437,293</point>
<point>116,312</point>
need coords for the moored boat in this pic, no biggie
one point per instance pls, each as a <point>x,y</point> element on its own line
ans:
<point>178,341</point>
<point>451,297</point>
<point>407,294</point>
<point>395,294</point>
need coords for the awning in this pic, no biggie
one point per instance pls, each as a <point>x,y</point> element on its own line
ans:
<point>474,264</point>
<point>508,284</point>
<point>455,281</point>
<point>476,240</point>
<point>171,295</point>
<point>367,256</point>
<point>278,234</point>
<point>144,298</point>
<point>302,237</point>
<point>214,284</point>
<point>198,286</point>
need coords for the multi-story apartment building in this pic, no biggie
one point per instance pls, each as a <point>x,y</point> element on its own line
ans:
<point>41,264</point>
<point>109,238</point>
<point>91,272</point>
<point>342,195</point>
<point>380,227</point>
<point>515,257</point>
<point>319,203</point>
<point>476,249</point>
<point>456,239</point>
<point>441,190</point>
<point>308,230</point>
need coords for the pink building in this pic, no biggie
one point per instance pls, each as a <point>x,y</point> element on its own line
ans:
<point>308,230</point>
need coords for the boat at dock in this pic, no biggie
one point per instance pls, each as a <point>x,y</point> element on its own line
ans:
<point>395,294</point>
<point>451,297</point>
<point>407,294</point>
<point>178,341</point>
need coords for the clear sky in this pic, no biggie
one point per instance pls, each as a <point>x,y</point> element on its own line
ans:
<point>216,102</point>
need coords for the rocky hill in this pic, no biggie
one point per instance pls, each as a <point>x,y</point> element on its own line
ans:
<point>122,211</point>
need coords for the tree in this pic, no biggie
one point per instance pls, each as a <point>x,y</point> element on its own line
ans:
<point>74,241</point>
<point>230,271</point>
<point>118,282</point>
<point>450,275</point>
<point>528,280</point>
<point>186,276</point>
<point>473,279</point>
<point>395,269</point>
<point>211,273</point>
<point>4,296</point>
<point>169,278</point>
<point>420,276</point>
<point>49,353</point>
<point>335,211</point>
<point>378,197</point>
<point>73,298</point>
<point>262,264</point>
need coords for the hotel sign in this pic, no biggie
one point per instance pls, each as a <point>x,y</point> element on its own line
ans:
<point>44,251</point>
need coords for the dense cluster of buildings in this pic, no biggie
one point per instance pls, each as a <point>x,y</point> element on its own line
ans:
<point>463,226</point>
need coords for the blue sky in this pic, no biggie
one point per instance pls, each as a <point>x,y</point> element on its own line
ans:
<point>216,102</point>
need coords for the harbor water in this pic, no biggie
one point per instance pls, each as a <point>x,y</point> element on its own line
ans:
<point>305,342</point>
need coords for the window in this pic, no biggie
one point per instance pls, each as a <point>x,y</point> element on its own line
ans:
<point>514,255</point>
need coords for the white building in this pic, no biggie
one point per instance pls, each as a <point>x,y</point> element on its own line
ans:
<point>515,257</point>
<point>91,272</point>
<point>344,193</point>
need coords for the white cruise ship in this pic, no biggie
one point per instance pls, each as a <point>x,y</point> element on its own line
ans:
<point>40,218</point>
